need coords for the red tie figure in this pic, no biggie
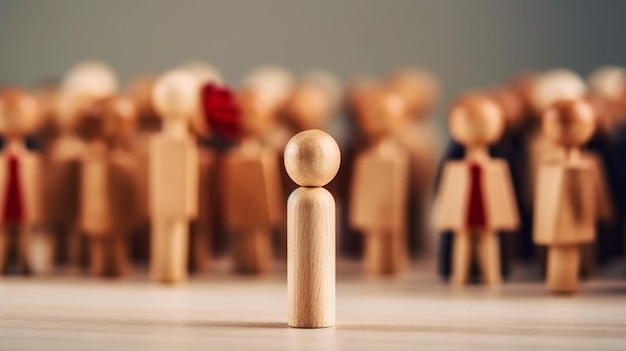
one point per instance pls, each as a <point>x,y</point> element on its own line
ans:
<point>20,187</point>
<point>476,198</point>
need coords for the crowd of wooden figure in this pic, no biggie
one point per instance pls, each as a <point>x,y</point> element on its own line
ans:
<point>177,169</point>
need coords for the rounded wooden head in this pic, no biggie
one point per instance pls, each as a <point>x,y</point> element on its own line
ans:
<point>569,123</point>
<point>176,95</point>
<point>511,104</point>
<point>257,112</point>
<point>476,120</point>
<point>205,73</point>
<point>312,158</point>
<point>308,106</point>
<point>608,82</point>
<point>556,85</point>
<point>381,113</point>
<point>112,118</point>
<point>418,87</point>
<point>94,79</point>
<point>272,82</point>
<point>19,113</point>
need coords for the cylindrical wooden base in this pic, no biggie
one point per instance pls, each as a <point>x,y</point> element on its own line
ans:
<point>311,258</point>
<point>108,255</point>
<point>252,251</point>
<point>385,253</point>
<point>169,250</point>
<point>563,268</point>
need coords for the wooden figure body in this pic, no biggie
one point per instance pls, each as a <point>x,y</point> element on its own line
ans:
<point>252,190</point>
<point>173,180</point>
<point>312,159</point>
<point>20,182</point>
<point>476,198</point>
<point>379,187</point>
<point>566,198</point>
<point>108,208</point>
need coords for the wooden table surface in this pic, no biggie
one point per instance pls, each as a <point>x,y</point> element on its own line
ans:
<point>223,312</point>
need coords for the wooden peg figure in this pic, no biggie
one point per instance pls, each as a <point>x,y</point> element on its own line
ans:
<point>20,171</point>
<point>173,177</point>
<point>566,195</point>
<point>312,160</point>
<point>476,198</point>
<point>380,185</point>
<point>108,209</point>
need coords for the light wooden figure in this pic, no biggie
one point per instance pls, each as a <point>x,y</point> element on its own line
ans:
<point>173,177</point>
<point>476,198</point>
<point>20,172</point>
<point>312,160</point>
<point>566,197</point>
<point>422,139</point>
<point>108,208</point>
<point>252,189</point>
<point>380,184</point>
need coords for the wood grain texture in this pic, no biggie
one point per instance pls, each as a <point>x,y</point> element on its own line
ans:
<point>223,312</point>
<point>311,258</point>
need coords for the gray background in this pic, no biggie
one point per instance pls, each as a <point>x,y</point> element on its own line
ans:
<point>468,43</point>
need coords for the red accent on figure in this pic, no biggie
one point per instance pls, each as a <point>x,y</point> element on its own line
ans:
<point>13,201</point>
<point>476,216</point>
<point>221,111</point>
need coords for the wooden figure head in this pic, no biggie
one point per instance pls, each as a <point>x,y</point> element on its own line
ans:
<point>556,85</point>
<point>94,79</point>
<point>257,112</point>
<point>19,113</point>
<point>272,82</point>
<point>381,113</point>
<point>312,158</point>
<point>569,123</point>
<point>140,93</point>
<point>110,119</point>
<point>511,105</point>
<point>82,85</point>
<point>418,87</point>
<point>175,96</point>
<point>476,121</point>
<point>308,106</point>
<point>608,82</point>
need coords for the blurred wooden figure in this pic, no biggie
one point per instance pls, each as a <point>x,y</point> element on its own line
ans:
<point>252,192</point>
<point>476,198</point>
<point>423,140</point>
<point>380,184</point>
<point>107,191</point>
<point>312,160</point>
<point>173,176</point>
<point>20,172</point>
<point>82,85</point>
<point>566,198</point>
